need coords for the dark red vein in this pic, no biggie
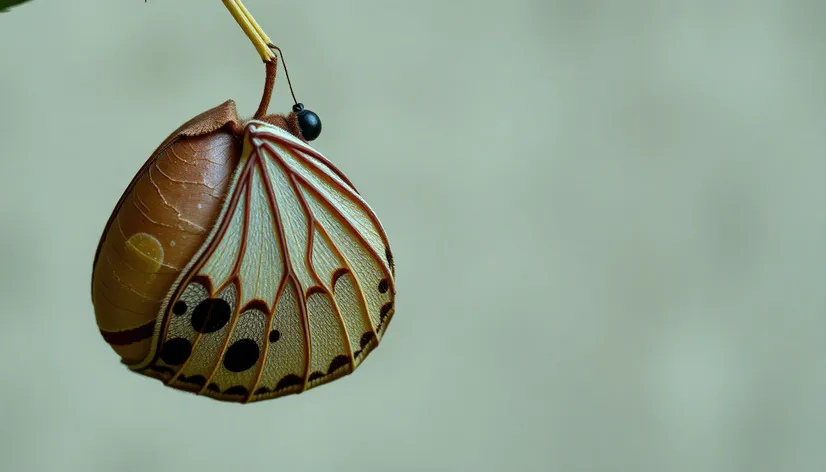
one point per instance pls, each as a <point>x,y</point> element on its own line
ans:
<point>224,223</point>
<point>233,276</point>
<point>365,208</point>
<point>270,319</point>
<point>288,268</point>
<point>297,151</point>
<point>312,152</point>
<point>346,222</point>
<point>358,288</point>
<point>308,257</point>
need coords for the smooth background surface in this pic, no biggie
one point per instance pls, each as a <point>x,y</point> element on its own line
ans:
<point>607,218</point>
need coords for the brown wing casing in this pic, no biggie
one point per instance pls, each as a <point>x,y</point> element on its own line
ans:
<point>160,222</point>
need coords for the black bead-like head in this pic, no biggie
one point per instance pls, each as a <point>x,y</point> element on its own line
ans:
<point>308,122</point>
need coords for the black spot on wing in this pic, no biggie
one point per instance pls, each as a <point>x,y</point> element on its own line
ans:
<point>338,362</point>
<point>242,355</point>
<point>366,338</point>
<point>198,380</point>
<point>179,308</point>
<point>176,351</point>
<point>385,309</point>
<point>389,256</point>
<point>211,315</point>
<point>289,381</point>
<point>237,390</point>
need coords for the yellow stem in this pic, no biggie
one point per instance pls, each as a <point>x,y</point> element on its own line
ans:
<point>251,29</point>
<point>255,24</point>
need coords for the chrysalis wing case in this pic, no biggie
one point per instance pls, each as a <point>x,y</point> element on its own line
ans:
<point>240,264</point>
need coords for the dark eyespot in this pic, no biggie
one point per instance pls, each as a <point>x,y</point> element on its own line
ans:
<point>176,351</point>
<point>179,308</point>
<point>211,315</point>
<point>242,355</point>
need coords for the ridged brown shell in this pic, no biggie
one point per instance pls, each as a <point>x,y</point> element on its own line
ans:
<point>161,221</point>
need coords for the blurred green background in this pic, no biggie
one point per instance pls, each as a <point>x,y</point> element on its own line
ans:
<point>607,218</point>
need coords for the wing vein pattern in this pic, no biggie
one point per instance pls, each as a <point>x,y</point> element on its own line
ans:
<point>293,290</point>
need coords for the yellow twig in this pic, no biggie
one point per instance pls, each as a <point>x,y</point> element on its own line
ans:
<point>251,28</point>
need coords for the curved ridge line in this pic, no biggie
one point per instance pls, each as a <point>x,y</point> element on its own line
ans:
<point>142,272</point>
<point>137,200</point>
<point>128,288</point>
<point>125,240</point>
<point>103,294</point>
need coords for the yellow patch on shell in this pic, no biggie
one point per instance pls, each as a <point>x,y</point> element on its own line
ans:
<point>144,253</point>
